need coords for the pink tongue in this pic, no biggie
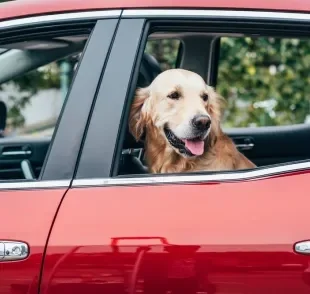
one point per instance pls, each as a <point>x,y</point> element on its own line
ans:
<point>196,147</point>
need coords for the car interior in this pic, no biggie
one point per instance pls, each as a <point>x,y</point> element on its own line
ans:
<point>23,158</point>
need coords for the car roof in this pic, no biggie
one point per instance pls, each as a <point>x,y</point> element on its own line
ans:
<point>19,8</point>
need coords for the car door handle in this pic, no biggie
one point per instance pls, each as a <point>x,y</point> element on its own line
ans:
<point>13,250</point>
<point>16,153</point>
<point>245,146</point>
<point>244,143</point>
<point>302,247</point>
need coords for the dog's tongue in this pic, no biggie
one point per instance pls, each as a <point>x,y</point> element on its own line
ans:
<point>196,147</point>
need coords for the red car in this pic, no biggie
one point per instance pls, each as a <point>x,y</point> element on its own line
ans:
<point>79,212</point>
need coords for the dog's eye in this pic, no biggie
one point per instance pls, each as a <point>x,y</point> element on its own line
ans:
<point>174,95</point>
<point>205,97</point>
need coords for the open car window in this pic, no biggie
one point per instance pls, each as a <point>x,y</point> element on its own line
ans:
<point>263,81</point>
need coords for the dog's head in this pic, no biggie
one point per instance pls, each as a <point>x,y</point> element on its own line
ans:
<point>179,107</point>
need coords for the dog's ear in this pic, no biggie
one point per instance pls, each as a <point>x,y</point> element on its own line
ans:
<point>138,117</point>
<point>217,105</point>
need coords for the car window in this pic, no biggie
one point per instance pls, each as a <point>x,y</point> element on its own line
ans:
<point>32,94</point>
<point>265,81</point>
<point>34,99</point>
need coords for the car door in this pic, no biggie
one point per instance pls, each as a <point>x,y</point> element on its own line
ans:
<point>226,232</point>
<point>256,143</point>
<point>29,206</point>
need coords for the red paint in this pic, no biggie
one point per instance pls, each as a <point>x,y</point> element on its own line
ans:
<point>32,7</point>
<point>26,216</point>
<point>219,238</point>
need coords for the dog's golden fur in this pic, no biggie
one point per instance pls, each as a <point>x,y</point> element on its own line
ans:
<point>152,110</point>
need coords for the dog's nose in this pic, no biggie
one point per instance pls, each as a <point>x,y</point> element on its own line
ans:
<point>201,122</point>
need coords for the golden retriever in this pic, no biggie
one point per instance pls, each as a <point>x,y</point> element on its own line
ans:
<point>179,116</point>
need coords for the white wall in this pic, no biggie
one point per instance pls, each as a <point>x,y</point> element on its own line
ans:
<point>43,106</point>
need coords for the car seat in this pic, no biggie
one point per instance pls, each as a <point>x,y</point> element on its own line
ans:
<point>131,159</point>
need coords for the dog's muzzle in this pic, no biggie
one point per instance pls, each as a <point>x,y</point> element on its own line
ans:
<point>201,123</point>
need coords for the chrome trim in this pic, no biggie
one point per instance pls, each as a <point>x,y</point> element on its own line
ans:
<point>24,185</point>
<point>245,146</point>
<point>194,178</point>
<point>154,13</point>
<point>302,247</point>
<point>13,250</point>
<point>59,17</point>
<point>13,153</point>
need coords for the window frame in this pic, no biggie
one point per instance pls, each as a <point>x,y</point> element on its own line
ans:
<point>57,171</point>
<point>104,126</point>
<point>103,171</point>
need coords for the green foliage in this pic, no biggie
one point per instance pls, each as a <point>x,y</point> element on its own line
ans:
<point>265,81</point>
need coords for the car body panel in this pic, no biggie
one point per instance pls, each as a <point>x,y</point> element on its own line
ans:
<point>36,7</point>
<point>221,237</point>
<point>264,137</point>
<point>26,216</point>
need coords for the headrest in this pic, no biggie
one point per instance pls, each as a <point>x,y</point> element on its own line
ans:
<point>152,64</point>
<point>149,70</point>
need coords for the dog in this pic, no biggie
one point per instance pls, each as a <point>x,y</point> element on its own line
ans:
<point>179,117</point>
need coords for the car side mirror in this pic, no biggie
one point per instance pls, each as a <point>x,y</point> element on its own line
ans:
<point>3,117</point>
